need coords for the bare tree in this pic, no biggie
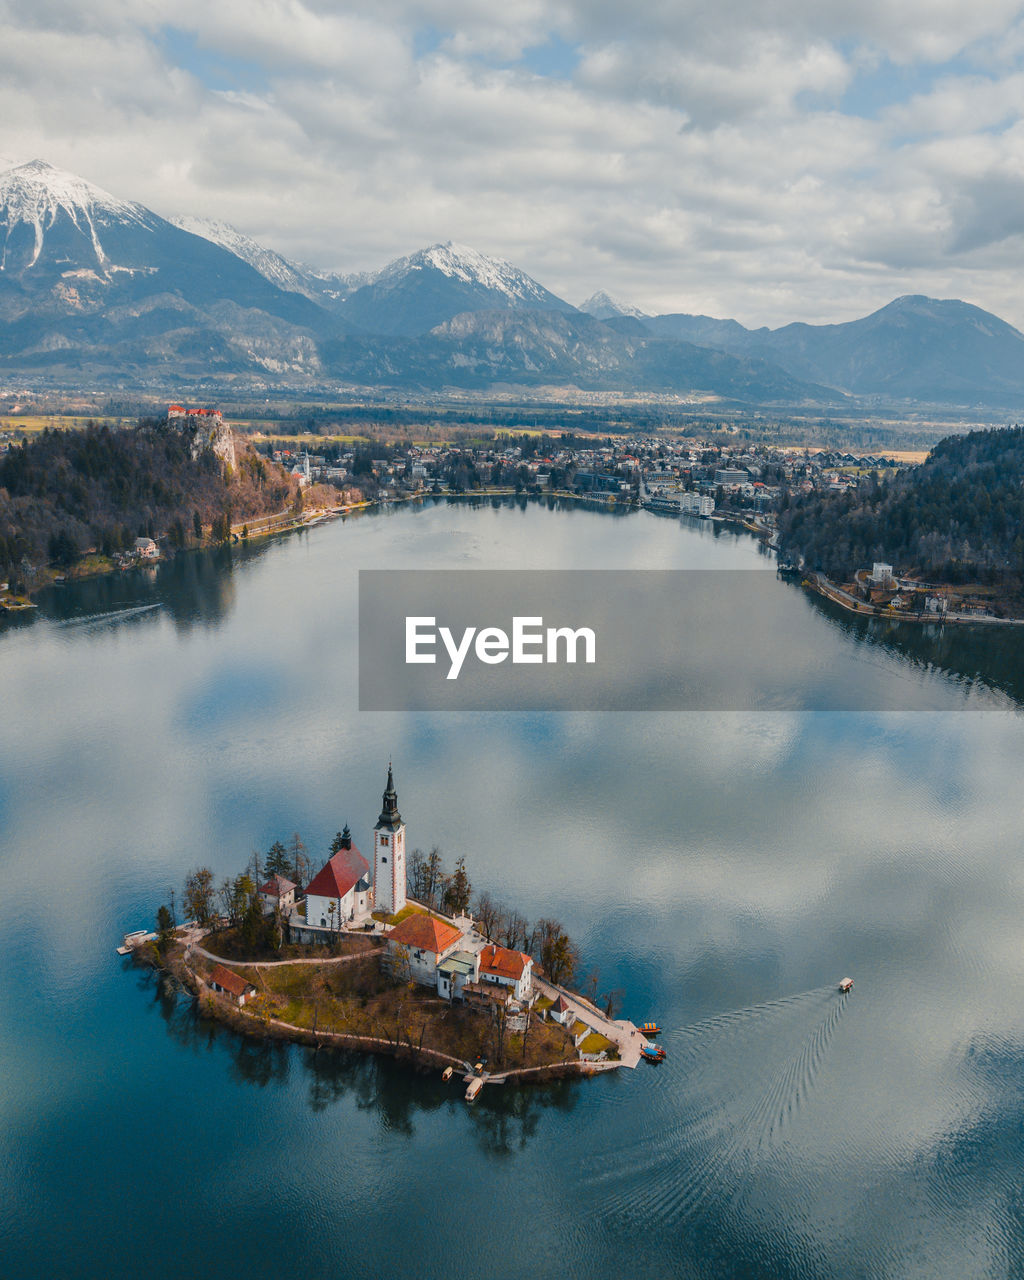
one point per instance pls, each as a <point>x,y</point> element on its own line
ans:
<point>513,928</point>
<point>558,955</point>
<point>488,913</point>
<point>435,879</point>
<point>612,1001</point>
<point>199,895</point>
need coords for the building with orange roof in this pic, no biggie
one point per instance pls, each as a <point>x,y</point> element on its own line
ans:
<point>231,984</point>
<point>505,968</point>
<point>422,942</point>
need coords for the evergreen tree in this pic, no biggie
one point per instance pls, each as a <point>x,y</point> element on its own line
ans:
<point>278,863</point>
<point>164,929</point>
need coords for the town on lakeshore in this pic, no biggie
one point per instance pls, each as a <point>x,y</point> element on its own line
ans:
<point>347,957</point>
<point>774,491</point>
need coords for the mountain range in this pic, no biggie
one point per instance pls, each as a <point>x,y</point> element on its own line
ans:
<point>96,290</point>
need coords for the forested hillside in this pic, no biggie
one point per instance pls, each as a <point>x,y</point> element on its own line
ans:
<point>958,517</point>
<point>68,491</point>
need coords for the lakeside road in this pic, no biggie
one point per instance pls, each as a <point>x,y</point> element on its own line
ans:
<point>824,587</point>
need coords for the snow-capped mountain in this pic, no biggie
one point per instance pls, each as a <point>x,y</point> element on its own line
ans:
<point>266,261</point>
<point>414,294</point>
<point>602,306</point>
<point>94,287</point>
<point>90,280</point>
<point>42,205</point>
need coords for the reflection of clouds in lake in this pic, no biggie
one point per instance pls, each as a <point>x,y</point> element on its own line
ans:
<point>707,862</point>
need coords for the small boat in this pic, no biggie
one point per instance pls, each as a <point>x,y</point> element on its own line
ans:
<point>653,1053</point>
<point>650,1029</point>
<point>475,1085</point>
<point>446,1074</point>
<point>124,951</point>
<point>846,985</point>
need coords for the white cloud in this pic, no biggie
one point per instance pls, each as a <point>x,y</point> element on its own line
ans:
<point>696,159</point>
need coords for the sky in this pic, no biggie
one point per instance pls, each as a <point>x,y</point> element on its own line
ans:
<point>805,160</point>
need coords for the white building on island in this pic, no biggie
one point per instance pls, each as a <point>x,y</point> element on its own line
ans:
<point>340,892</point>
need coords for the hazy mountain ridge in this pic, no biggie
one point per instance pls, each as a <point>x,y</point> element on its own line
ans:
<point>914,348</point>
<point>479,348</point>
<point>92,287</point>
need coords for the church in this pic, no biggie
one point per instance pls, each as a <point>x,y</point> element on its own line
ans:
<point>343,893</point>
<point>449,956</point>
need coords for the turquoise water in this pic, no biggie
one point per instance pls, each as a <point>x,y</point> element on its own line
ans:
<point>723,870</point>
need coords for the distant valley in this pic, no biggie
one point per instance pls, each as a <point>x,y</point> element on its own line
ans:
<point>97,291</point>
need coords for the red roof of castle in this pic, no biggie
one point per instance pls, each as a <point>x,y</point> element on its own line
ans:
<point>425,933</point>
<point>341,873</point>
<point>502,962</point>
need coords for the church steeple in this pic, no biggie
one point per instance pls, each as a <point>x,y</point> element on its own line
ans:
<point>389,854</point>
<point>389,818</point>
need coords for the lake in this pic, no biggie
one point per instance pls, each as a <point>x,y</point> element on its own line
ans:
<point>722,869</point>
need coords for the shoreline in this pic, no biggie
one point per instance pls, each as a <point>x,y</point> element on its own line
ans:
<point>289,524</point>
<point>422,1058</point>
<point>815,583</point>
<point>819,585</point>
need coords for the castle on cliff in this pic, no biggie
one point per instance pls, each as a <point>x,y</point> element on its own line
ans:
<point>209,431</point>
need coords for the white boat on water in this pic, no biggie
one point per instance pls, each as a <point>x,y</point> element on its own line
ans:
<point>846,985</point>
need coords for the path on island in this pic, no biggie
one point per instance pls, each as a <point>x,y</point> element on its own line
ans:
<point>622,1032</point>
<point>195,948</point>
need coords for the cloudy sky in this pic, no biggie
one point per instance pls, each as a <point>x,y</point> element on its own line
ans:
<point>809,159</point>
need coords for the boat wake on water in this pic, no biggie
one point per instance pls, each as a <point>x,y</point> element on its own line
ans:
<point>101,619</point>
<point>739,1080</point>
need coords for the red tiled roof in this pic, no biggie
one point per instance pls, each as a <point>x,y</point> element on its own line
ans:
<point>232,982</point>
<point>425,934</point>
<point>502,962</point>
<point>340,874</point>
<point>277,887</point>
<point>563,1005</point>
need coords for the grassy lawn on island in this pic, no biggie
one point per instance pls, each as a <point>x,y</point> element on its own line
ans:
<point>597,1043</point>
<point>228,944</point>
<point>360,999</point>
<point>410,909</point>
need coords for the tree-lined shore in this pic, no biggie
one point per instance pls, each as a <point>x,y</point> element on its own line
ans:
<point>68,495</point>
<point>956,518</point>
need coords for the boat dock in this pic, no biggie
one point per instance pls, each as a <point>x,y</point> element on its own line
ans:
<point>133,940</point>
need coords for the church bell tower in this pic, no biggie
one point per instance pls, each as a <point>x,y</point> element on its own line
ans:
<point>389,854</point>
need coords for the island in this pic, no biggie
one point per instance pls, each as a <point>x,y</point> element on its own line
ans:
<point>347,958</point>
